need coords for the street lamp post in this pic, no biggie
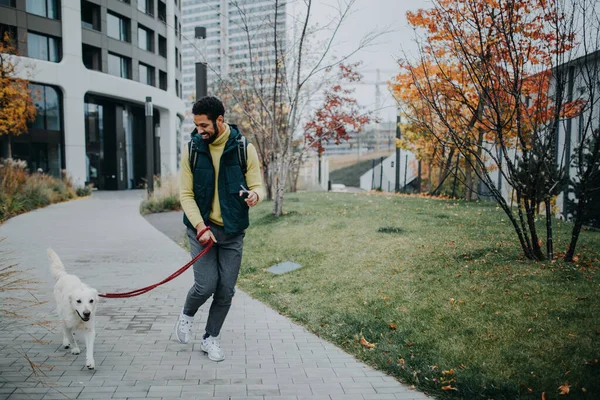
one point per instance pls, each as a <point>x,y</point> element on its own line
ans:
<point>157,149</point>
<point>398,136</point>
<point>149,146</point>
<point>201,79</point>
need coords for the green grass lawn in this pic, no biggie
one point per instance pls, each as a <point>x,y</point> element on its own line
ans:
<point>439,287</point>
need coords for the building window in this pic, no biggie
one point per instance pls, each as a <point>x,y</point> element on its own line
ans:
<point>162,80</point>
<point>90,15</point>
<point>177,91</point>
<point>176,26</point>
<point>92,57</point>
<point>43,8</point>
<point>8,3</point>
<point>117,27</point>
<point>47,104</point>
<point>119,66</point>
<point>176,58</point>
<point>9,30</point>
<point>162,46</point>
<point>43,47</point>
<point>162,11</point>
<point>146,73</point>
<point>146,6</point>
<point>145,39</point>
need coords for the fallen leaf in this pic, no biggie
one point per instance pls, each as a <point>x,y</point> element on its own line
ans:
<point>401,361</point>
<point>393,326</point>
<point>449,372</point>
<point>448,387</point>
<point>452,300</point>
<point>365,343</point>
<point>411,344</point>
<point>564,389</point>
<point>411,387</point>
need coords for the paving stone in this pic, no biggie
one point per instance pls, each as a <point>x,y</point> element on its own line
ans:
<point>268,357</point>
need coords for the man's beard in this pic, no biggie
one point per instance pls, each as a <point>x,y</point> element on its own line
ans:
<point>212,137</point>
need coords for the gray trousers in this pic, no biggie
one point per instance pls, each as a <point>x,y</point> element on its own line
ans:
<point>214,274</point>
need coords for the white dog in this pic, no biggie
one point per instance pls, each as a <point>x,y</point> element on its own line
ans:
<point>76,307</point>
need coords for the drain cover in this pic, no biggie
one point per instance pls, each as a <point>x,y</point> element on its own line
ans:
<point>284,267</point>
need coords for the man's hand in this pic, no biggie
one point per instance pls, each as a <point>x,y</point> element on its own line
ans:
<point>252,198</point>
<point>206,236</point>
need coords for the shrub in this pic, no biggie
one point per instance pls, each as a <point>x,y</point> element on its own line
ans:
<point>164,198</point>
<point>21,191</point>
<point>84,191</point>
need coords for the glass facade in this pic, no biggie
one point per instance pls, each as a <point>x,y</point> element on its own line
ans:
<point>146,6</point>
<point>115,143</point>
<point>145,39</point>
<point>119,66</point>
<point>48,107</point>
<point>43,47</point>
<point>146,74</point>
<point>117,27</point>
<point>94,142</point>
<point>42,145</point>
<point>43,8</point>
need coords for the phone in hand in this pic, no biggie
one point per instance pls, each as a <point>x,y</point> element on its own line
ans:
<point>245,193</point>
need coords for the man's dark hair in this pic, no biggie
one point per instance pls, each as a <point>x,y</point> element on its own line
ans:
<point>209,106</point>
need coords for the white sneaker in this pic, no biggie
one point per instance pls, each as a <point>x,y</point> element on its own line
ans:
<point>212,347</point>
<point>183,327</point>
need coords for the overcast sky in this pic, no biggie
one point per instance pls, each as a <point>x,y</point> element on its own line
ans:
<point>367,16</point>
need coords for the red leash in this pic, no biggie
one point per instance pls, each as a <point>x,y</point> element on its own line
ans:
<point>174,275</point>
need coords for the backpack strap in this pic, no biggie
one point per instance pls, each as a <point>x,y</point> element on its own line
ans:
<point>242,145</point>
<point>193,155</point>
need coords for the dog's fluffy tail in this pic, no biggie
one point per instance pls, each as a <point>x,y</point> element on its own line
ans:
<point>56,266</point>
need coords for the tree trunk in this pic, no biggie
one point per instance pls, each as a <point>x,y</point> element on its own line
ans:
<point>455,176</point>
<point>576,227</point>
<point>9,146</point>
<point>429,168</point>
<point>268,181</point>
<point>280,180</point>
<point>445,172</point>
<point>468,178</point>
<point>535,242</point>
<point>549,243</point>
<point>526,242</point>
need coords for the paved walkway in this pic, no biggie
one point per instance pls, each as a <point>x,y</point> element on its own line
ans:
<point>105,241</point>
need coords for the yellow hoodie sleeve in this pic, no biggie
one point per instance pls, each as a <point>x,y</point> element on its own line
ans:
<point>253,174</point>
<point>186,190</point>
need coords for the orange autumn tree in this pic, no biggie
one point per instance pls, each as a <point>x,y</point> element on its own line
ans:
<point>16,104</point>
<point>485,83</point>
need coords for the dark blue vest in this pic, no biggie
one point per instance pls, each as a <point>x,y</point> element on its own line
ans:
<point>234,209</point>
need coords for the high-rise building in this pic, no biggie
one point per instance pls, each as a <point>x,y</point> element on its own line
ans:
<point>236,30</point>
<point>94,62</point>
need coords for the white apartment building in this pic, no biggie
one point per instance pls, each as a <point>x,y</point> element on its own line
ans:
<point>94,62</point>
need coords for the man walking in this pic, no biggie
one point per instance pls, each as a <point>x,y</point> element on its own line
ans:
<point>220,180</point>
